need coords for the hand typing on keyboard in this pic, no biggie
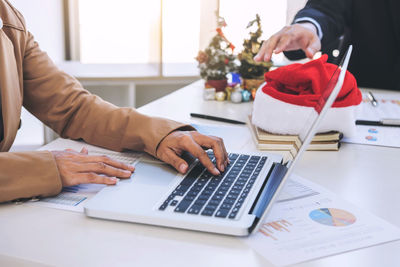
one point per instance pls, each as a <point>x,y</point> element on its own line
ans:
<point>220,196</point>
<point>172,147</point>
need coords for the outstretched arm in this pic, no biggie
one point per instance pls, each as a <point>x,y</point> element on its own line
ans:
<point>318,24</point>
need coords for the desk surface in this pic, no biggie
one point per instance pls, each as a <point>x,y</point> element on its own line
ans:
<point>367,176</point>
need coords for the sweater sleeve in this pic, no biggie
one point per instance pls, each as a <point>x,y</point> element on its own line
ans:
<point>28,174</point>
<point>59,101</point>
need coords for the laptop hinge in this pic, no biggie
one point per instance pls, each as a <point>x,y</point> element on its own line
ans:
<point>268,189</point>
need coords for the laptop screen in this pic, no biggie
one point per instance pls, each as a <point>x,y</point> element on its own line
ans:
<point>321,101</point>
<point>275,184</point>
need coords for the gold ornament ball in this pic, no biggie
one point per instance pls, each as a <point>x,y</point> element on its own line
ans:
<point>220,96</point>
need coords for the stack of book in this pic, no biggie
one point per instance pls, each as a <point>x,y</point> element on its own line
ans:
<point>288,145</point>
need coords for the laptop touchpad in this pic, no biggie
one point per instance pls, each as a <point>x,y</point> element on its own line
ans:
<point>156,173</point>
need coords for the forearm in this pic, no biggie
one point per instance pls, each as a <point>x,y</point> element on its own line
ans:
<point>100,123</point>
<point>28,174</point>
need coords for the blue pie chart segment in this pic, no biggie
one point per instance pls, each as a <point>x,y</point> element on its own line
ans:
<point>332,217</point>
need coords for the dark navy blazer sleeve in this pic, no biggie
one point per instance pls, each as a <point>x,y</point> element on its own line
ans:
<point>332,15</point>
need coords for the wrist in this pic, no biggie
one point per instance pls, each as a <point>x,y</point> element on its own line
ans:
<point>309,26</point>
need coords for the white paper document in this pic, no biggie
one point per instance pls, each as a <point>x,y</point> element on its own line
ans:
<point>73,197</point>
<point>376,136</point>
<point>388,108</point>
<point>309,222</point>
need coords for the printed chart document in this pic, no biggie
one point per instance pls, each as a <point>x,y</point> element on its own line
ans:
<point>73,197</point>
<point>388,108</point>
<point>309,222</point>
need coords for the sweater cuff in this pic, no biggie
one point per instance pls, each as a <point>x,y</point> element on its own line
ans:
<point>144,133</point>
<point>181,128</point>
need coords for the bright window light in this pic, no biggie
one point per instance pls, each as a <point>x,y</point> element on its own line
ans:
<point>181,30</point>
<point>119,31</point>
<point>238,13</point>
<point>128,31</point>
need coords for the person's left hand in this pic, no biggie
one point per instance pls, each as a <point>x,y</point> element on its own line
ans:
<point>172,146</point>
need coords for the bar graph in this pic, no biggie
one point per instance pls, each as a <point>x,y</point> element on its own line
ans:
<point>268,229</point>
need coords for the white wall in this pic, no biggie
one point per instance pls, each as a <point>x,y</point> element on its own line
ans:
<point>44,18</point>
<point>292,7</point>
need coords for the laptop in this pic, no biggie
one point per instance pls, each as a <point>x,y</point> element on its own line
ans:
<point>233,203</point>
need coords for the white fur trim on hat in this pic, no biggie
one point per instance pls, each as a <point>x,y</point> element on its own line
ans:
<point>275,116</point>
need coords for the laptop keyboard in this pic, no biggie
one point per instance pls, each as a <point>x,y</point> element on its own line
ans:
<point>201,193</point>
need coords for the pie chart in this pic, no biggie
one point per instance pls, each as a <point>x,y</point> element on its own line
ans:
<point>332,217</point>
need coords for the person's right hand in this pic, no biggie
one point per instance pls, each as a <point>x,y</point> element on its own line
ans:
<point>297,36</point>
<point>80,168</point>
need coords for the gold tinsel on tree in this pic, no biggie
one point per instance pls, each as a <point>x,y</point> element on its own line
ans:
<point>250,69</point>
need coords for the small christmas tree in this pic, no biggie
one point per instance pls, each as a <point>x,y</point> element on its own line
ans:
<point>216,61</point>
<point>250,69</point>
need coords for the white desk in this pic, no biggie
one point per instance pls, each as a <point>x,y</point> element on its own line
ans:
<point>367,176</point>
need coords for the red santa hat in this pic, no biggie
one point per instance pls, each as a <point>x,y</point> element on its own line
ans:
<point>290,96</point>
